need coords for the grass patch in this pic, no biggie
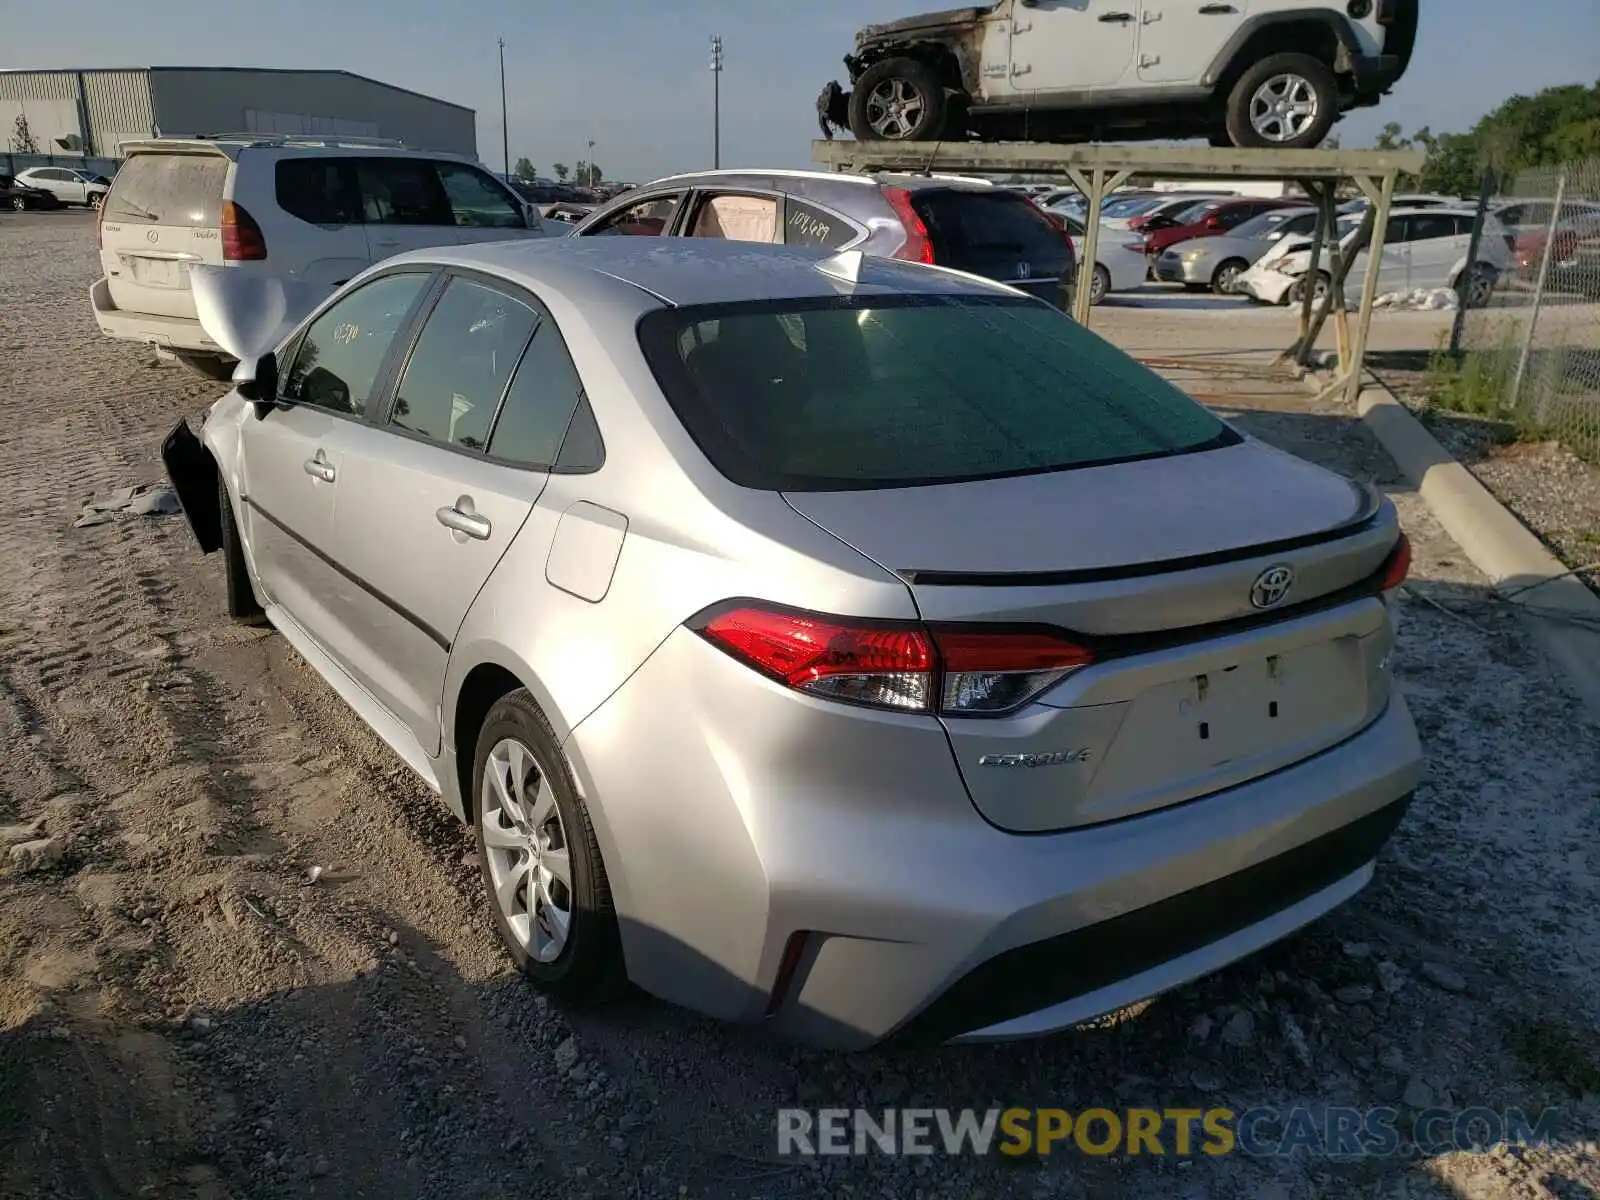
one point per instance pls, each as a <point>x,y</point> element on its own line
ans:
<point>1474,382</point>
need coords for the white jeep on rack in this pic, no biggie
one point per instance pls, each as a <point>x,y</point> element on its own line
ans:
<point>1274,73</point>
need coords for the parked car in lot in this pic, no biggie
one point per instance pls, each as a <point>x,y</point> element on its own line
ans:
<point>67,184</point>
<point>1118,267</point>
<point>1576,225</point>
<point>22,198</point>
<point>1170,212</point>
<point>314,212</point>
<point>1359,204</point>
<point>967,224</point>
<point>1215,263</point>
<point>1212,218</point>
<point>1425,248</point>
<point>742,597</point>
<point>1267,73</point>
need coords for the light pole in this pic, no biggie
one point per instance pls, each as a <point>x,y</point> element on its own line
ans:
<point>589,162</point>
<point>505,131</point>
<point>716,101</point>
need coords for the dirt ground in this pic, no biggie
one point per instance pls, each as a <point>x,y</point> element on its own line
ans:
<point>184,1013</point>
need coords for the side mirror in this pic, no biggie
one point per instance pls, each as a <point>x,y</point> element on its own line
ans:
<point>257,382</point>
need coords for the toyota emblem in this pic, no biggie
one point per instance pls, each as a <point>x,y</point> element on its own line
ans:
<point>152,236</point>
<point>1271,586</point>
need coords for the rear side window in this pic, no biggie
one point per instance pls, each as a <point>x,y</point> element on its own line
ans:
<point>990,233</point>
<point>318,190</point>
<point>538,409</point>
<point>840,394</point>
<point>808,225</point>
<point>461,365</point>
<point>401,191</point>
<point>737,218</point>
<point>169,189</point>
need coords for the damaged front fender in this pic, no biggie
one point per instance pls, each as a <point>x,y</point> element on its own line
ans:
<point>833,109</point>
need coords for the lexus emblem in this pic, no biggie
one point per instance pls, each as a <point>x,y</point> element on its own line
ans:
<point>1271,586</point>
<point>152,236</point>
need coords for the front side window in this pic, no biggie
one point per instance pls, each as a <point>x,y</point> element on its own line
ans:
<point>835,394</point>
<point>401,191</point>
<point>737,219</point>
<point>336,366</point>
<point>539,407</point>
<point>453,382</point>
<point>478,202</point>
<point>647,218</point>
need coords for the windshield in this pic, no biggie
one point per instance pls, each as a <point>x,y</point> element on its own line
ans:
<point>1268,222</point>
<point>842,393</point>
<point>1128,206</point>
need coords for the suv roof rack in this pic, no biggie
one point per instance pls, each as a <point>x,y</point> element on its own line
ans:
<point>348,141</point>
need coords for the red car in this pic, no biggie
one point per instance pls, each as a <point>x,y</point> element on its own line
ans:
<point>1217,217</point>
<point>1582,225</point>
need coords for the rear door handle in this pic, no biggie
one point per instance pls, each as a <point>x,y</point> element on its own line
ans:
<point>320,468</point>
<point>1116,18</point>
<point>474,525</point>
<point>1217,10</point>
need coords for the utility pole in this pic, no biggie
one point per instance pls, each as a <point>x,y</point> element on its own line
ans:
<point>716,101</point>
<point>589,162</point>
<point>505,130</point>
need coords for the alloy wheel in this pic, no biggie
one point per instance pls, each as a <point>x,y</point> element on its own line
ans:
<point>1283,108</point>
<point>530,866</point>
<point>893,109</point>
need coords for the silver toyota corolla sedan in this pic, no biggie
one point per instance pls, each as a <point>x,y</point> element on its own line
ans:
<point>845,643</point>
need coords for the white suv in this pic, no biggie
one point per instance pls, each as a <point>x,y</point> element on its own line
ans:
<point>68,184</point>
<point>312,212</point>
<point>1247,72</point>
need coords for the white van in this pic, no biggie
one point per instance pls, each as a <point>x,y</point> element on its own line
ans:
<point>313,211</point>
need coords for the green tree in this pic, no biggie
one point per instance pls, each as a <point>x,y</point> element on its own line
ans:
<point>588,174</point>
<point>562,171</point>
<point>1392,137</point>
<point>524,170</point>
<point>22,139</point>
<point>1558,125</point>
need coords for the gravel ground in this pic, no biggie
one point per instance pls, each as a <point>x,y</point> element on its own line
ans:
<point>184,1013</point>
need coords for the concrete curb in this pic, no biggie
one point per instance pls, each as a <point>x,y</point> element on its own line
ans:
<point>1498,544</point>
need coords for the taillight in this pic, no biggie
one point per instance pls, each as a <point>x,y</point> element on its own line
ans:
<point>242,239</point>
<point>918,247</point>
<point>897,666</point>
<point>1398,565</point>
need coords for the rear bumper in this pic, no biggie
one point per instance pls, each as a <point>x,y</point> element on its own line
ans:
<point>786,821</point>
<point>171,333</point>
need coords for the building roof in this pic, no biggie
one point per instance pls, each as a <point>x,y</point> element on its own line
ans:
<point>248,70</point>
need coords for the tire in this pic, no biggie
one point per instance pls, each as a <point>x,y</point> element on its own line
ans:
<point>1307,80</point>
<point>1481,284</point>
<point>212,366</point>
<point>898,82</point>
<point>1297,293</point>
<point>94,200</point>
<point>1225,276</point>
<point>1099,284</point>
<point>243,606</point>
<point>587,965</point>
<point>18,203</point>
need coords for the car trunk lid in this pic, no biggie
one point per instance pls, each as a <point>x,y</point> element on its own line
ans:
<point>162,215</point>
<point>1208,671</point>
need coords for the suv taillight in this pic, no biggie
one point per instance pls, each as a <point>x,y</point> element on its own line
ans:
<point>896,665</point>
<point>1060,226</point>
<point>918,247</point>
<point>242,239</point>
<point>1397,566</point>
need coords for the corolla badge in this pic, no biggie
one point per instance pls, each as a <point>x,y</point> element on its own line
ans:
<point>1271,586</point>
<point>1057,758</point>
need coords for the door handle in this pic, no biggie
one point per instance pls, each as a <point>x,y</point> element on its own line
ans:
<point>1116,18</point>
<point>474,525</point>
<point>320,468</point>
<point>1217,10</point>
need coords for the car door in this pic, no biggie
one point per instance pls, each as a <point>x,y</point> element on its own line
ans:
<point>1072,45</point>
<point>1179,39</point>
<point>736,217</point>
<point>292,457</point>
<point>319,194</point>
<point>67,186</point>
<point>431,497</point>
<point>403,204</point>
<point>1434,248</point>
<point>483,209</point>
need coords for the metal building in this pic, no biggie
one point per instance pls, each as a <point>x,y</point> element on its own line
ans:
<point>69,114</point>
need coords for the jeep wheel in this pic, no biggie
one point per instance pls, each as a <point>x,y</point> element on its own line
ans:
<point>898,100</point>
<point>1285,101</point>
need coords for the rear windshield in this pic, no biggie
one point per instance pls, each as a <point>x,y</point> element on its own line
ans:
<point>851,393</point>
<point>169,189</point>
<point>989,233</point>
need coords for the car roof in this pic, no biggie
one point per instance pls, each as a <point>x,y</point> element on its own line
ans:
<point>683,271</point>
<point>749,176</point>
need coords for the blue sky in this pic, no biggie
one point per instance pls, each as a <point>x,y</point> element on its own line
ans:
<point>633,74</point>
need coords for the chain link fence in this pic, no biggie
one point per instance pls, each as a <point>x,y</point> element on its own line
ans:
<point>1531,354</point>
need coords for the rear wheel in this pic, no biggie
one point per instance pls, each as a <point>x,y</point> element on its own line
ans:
<point>898,100</point>
<point>1285,101</point>
<point>541,863</point>
<point>1227,275</point>
<point>212,366</point>
<point>1099,284</point>
<point>18,203</point>
<point>242,603</point>
<point>1480,286</point>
